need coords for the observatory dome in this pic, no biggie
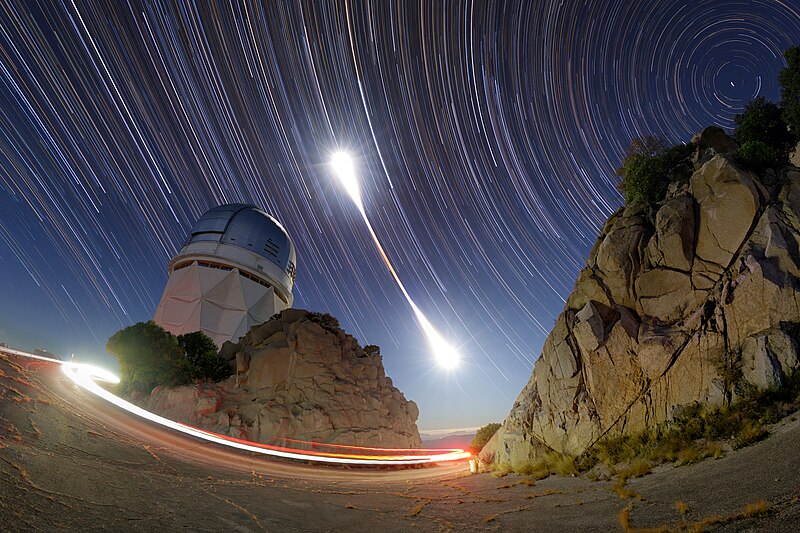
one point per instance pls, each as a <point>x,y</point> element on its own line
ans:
<point>236,269</point>
<point>250,238</point>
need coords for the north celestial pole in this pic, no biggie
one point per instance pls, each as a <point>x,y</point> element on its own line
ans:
<point>490,132</point>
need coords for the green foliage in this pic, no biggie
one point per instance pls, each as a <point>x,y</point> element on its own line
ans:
<point>371,349</point>
<point>326,320</point>
<point>647,167</point>
<point>696,432</point>
<point>549,463</point>
<point>644,181</point>
<point>202,361</point>
<point>482,437</point>
<point>757,156</point>
<point>148,356</point>
<point>729,368</point>
<point>762,122</point>
<point>789,79</point>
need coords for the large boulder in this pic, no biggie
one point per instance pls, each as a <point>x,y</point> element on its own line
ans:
<point>297,377</point>
<point>714,138</point>
<point>669,302</point>
<point>728,199</point>
<point>794,156</point>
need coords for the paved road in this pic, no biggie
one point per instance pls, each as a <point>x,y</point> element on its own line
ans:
<point>71,462</point>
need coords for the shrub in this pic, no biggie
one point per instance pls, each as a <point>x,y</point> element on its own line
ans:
<point>646,169</point>
<point>148,356</point>
<point>729,364</point>
<point>695,431</point>
<point>326,320</point>
<point>789,79</point>
<point>202,361</point>
<point>644,181</point>
<point>550,463</point>
<point>762,122</point>
<point>638,467</point>
<point>757,155</point>
<point>371,349</point>
<point>482,437</point>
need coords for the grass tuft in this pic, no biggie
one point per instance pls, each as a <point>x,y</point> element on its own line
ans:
<point>697,432</point>
<point>750,510</point>
<point>418,509</point>
<point>755,509</point>
<point>689,455</point>
<point>501,470</point>
<point>750,434</point>
<point>552,463</point>
<point>638,467</point>
<point>624,517</point>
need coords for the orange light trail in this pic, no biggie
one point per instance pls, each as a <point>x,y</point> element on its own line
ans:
<point>86,376</point>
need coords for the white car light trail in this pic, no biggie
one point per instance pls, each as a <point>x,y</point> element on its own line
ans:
<point>86,376</point>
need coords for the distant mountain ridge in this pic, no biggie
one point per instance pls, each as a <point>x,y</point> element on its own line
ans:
<point>457,439</point>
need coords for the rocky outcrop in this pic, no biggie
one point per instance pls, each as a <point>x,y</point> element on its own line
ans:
<point>690,302</point>
<point>297,377</point>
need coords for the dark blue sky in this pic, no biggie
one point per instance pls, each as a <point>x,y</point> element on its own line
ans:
<point>486,134</point>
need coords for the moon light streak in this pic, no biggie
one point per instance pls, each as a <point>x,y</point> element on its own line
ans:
<point>344,168</point>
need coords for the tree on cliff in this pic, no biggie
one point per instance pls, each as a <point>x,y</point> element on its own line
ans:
<point>761,131</point>
<point>646,169</point>
<point>202,361</point>
<point>789,79</point>
<point>483,436</point>
<point>148,356</point>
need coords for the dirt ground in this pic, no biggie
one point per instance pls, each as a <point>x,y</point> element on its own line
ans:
<point>70,462</point>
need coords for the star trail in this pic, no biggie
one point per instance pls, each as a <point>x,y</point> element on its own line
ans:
<point>486,136</point>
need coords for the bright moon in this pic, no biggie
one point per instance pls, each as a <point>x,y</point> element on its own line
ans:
<point>345,170</point>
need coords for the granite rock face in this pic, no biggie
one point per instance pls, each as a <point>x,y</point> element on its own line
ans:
<point>794,156</point>
<point>691,301</point>
<point>297,378</point>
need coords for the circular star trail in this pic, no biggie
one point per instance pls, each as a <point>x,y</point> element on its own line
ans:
<point>486,135</point>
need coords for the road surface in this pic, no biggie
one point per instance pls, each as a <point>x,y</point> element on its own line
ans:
<point>70,461</point>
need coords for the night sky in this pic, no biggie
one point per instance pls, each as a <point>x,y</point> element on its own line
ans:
<point>486,136</point>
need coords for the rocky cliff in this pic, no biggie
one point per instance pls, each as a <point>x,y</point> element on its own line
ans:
<point>297,377</point>
<point>690,301</point>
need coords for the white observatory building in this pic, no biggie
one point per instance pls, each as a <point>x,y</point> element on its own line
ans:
<point>236,270</point>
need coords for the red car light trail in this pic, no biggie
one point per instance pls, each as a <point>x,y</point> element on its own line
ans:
<point>87,377</point>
